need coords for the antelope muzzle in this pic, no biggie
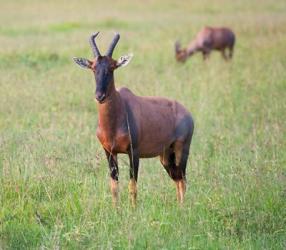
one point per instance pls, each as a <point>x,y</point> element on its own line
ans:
<point>100,96</point>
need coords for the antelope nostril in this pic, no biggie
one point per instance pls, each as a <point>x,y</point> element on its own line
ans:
<point>100,96</point>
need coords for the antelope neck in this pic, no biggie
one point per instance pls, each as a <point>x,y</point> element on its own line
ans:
<point>192,48</point>
<point>111,112</point>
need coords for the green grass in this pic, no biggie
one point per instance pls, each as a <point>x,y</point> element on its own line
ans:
<point>53,173</point>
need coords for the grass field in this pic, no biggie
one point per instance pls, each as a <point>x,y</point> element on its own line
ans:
<point>54,181</point>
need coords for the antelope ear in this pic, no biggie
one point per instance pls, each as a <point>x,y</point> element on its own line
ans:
<point>83,63</point>
<point>124,60</point>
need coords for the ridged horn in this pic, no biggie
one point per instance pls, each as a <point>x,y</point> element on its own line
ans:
<point>112,45</point>
<point>95,50</point>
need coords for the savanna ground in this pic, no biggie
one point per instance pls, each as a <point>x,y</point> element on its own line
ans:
<point>53,173</point>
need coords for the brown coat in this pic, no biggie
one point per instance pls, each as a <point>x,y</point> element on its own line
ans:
<point>206,40</point>
<point>161,119</point>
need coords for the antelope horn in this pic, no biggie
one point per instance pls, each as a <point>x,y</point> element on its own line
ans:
<point>177,46</point>
<point>112,45</point>
<point>95,50</point>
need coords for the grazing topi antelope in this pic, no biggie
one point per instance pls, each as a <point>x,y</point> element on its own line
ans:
<point>208,39</point>
<point>142,127</point>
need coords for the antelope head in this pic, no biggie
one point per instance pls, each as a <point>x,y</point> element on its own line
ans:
<point>180,54</point>
<point>103,67</point>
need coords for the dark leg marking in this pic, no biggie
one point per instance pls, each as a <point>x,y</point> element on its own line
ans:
<point>134,163</point>
<point>174,161</point>
<point>176,172</point>
<point>133,154</point>
<point>114,173</point>
<point>113,167</point>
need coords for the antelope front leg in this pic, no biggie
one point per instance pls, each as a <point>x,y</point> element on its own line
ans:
<point>133,191</point>
<point>224,55</point>
<point>114,191</point>
<point>114,173</point>
<point>134,165</point>
<point>206,53</point>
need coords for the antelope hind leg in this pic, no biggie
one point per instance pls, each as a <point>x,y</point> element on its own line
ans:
<point>181,150</point>
<point>181,190</point>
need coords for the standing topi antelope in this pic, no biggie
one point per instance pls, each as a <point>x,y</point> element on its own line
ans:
<point>208,39</point>
<point>142,127</point>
